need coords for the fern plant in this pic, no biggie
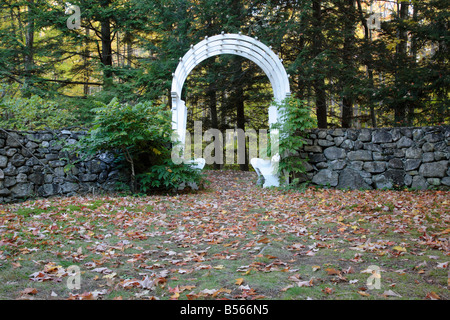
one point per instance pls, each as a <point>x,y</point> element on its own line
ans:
<point>294,122</point>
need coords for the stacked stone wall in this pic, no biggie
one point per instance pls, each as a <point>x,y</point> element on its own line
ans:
<point>35,164</point>
<point>379,158</point>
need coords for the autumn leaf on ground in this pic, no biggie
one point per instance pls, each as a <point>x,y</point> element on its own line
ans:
<point>29,291</point>
<point>432,296</point>
<point>349,270</point>
<point>264,240</point>
<point>83,296</point>
<point>364,294</point>
<point>188,287</point>
<point>390,293</point>
<point>399,248</point>
<point>219,267</point>
<point>140,247</point>
<point>287,288</point>
<point>328,290</point>
<point>332,271</point>
<point>443,265</point>
<point>129,283</point>
<point>208,291</point>
<point>305,283</point>
<point>176,293</point>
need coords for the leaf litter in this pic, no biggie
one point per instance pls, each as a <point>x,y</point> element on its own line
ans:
<point>258,243</point>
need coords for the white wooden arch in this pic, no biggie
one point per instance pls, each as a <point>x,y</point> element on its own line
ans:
<point>235,44</point>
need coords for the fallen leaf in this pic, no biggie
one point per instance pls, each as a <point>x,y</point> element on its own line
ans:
<point>208,291</point>
<point>401,272</point>
<point>399,248</point>
<point>102,270</point>
<point>305,283</point>
<point>147,283</point>
<point>221,290</point>
<point>390,293</point>
<point>246,287</point>
<point>109,276</point>
<point>286,288</point>
<point>364,294</point>
<point>432,296</point>
<point>29,291</point>
<point>332,271</point>
<point>349,270</point>
<point>188,287</point>
<point>239,281</point>
<point>219,267</point>
<point>328,290</point>
<point>264,240</point>
<point>310,253</point>
<point>442,232</point>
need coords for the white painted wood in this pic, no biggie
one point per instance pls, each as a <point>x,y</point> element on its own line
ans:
<point>236,44</point>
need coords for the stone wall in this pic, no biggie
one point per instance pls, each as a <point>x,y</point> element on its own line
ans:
<point>379,158</point>
<point>34,164</point>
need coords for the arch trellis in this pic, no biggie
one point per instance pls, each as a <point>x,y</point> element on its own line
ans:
<point>235,44</point>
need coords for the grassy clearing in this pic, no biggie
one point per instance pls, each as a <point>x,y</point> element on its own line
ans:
<point>233,240</point>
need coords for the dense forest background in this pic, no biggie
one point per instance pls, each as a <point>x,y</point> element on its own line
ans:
<point>353,70</point>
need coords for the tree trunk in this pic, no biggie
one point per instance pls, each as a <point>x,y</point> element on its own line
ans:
<point>319,84</point>
<point>106,58</point>
<point>240,124</point>
<point>133,182</point>
<point>348,49</point>
<point>29,43</point>
<point>238,101</point>
<point>128,40</point>
<point>212,103</point>
<point>368,62</point>
<point>401,106</point>
<point>414,48</point>
<point>86,63</point>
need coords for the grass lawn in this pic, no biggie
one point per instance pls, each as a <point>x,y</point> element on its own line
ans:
<point>233,240</point>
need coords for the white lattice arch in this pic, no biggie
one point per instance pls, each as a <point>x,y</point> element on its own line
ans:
<point>235,44</point>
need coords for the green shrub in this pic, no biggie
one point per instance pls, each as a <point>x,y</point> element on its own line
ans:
<point>141,134</point>
<point>169,176</point>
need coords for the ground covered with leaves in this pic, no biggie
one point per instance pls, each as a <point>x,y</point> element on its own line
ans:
<point>232,240</point>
